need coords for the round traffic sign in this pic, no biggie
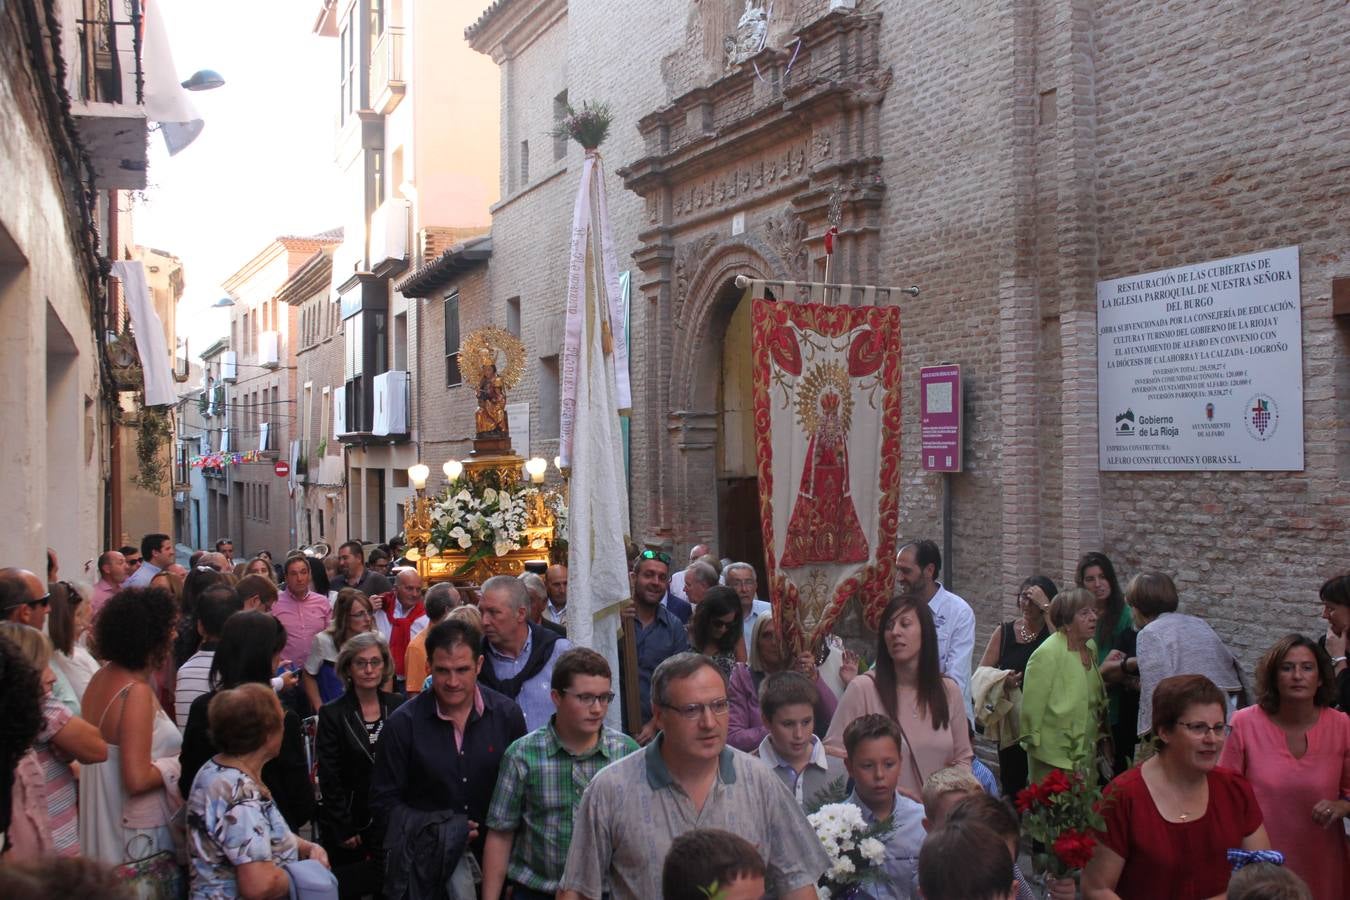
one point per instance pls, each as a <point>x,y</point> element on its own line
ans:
<point>282,468</point>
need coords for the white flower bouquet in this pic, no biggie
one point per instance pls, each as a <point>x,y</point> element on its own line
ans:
<point>856,850</point>
<point>481,519</point>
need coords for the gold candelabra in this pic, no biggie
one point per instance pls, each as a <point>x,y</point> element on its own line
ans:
<point>417,510</point>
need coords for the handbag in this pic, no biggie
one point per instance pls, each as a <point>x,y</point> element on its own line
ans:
<point>156,876</point>
<point>311,880</point>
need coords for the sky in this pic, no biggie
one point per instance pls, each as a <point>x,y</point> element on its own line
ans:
<point>262,166</point>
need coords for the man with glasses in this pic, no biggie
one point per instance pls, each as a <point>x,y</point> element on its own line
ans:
<point>741,578</point>
<point>542,778</point>
<point>23,598</point>
<point>520,655</point>
<point>113,569</point>
<point>660,634</point>
<point>400,618</point>
<point>686,778</point>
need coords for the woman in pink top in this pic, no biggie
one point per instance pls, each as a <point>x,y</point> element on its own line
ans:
<point>1295,750</point>
<point>907,685</point>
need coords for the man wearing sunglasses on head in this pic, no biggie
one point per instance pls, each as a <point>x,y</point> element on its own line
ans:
<point>23,598</point>
<point>686,778</point>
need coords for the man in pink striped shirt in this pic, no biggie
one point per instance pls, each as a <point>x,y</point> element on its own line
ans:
<point>302,612</point>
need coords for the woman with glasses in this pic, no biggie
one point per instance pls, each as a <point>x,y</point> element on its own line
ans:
<point>1009,650</point>
<point>1295,750</point>
<point>1171,821</point>
<point>768,655</point>
<point>1062,692</point>
<point>68,625</point>
<point>353,614</point>
<point>349,728</point>
<point>907,685</point>
<point>715,629</point>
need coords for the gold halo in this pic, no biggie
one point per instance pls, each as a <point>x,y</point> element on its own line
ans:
<point>825,375</point>
<point>493,342</point>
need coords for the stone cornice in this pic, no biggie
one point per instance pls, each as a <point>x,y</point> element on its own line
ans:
<point>509,26</point>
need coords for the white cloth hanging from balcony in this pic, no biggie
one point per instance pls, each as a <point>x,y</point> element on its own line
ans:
<point>149,331</point>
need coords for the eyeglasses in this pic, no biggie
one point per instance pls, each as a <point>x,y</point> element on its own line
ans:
<point>604,699</point>
<point>44,600</point>
<point>1200,729</point>
<point>134,562</point>
<point>358,614</point>
<point>694,711</point>
<point>656,555</point>
<point>367,664</point>
<point>724,623</point>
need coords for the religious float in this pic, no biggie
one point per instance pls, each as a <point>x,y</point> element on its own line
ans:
<point>494,515</point>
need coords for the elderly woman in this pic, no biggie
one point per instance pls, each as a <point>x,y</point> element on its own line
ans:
<point>1335,597</point>
<point>249,652</point>
<point>353,614</point>
<point>128,801</point>
<point>715,628</point>
<point>349,728</point>
<point>1171,821</point>
<point>1295,750</point>
<point>238,840</point>
<point>745,725</point>
<point>1172,643</point>
<point>1062,692</point>
<point>908,686</point>
<point>45,795</point>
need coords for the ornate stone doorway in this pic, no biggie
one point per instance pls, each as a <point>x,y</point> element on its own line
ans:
<point>739,533</point>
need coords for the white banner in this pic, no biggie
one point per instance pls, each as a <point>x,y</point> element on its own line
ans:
<point>1201,367</point>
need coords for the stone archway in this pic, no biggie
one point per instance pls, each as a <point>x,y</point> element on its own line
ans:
<point>711,432</point>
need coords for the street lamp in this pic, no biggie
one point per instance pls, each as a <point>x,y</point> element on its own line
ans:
<point>204,80</point>
<point>536,467</point>
<point>223,302</point>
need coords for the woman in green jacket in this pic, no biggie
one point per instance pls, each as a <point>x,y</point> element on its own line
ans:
<point>1062,691</point>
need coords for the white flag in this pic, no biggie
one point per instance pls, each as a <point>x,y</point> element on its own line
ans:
<point>597,516</point>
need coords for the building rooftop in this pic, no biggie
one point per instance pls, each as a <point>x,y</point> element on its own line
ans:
<point>438,272</point>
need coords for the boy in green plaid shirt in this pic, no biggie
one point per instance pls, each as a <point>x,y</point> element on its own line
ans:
<point>542,778</point>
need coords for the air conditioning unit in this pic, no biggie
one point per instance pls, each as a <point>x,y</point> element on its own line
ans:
<point>229,366</point>
<point>391,403</point>
<point>269,344</point>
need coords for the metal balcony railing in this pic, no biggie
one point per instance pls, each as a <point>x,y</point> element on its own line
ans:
<point>108,29</point>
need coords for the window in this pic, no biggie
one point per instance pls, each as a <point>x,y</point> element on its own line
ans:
<point>376,19</point>
<point>325,411</point>
<point>549,399</point>
<point>306,417</point>
<point>559,113</point>
<point>349,83</point>
<point>247,333</point>
<point>401,342</point>
<point>524,163</point>
<point>453,376</point>
<point>376,179</point>
<point>352,347</point>
<point>513,315</point>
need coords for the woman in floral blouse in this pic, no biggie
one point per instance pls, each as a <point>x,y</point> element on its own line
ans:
<point>237,839</point>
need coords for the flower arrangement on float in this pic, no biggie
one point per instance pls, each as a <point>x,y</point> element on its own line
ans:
<point>855,848</point>
<point>1063,812</point>
<point>486,515</point>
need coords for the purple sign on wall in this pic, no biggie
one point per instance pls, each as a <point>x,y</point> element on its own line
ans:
<point>940,419</point>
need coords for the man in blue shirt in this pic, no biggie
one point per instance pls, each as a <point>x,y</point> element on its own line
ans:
<point>156,555</point>
<point>520,655</point>
<point>660,634</point>
<point>741,578</point>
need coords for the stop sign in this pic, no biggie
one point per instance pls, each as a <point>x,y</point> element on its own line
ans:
<point>282,468</point>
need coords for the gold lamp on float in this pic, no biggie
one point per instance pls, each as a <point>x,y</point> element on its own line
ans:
<point>453,468</point>
<point>536,467</point>
<point>417,510</point>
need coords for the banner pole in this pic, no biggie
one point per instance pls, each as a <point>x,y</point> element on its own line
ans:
<point>628,676</point>
<point>948,580</point>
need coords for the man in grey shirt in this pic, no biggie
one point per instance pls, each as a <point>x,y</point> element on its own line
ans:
<point>686,778</point>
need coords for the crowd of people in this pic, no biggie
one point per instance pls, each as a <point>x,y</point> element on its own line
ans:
<point>332,727</point>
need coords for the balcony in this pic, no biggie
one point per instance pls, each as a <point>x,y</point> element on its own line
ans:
<point>269,344</point>
<point>229,366</point>
<point>387,86</point>
<point>375,410</point>
<point>107,94</point>
<point>389,236</point>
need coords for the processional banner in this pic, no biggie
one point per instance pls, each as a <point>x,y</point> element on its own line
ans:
<point>827,435</point>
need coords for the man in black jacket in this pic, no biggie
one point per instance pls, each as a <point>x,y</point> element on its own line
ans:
<point>519,655</point>
<point>441,750</point>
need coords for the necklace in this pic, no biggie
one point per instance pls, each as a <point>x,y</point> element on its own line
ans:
<point>1024,634</point>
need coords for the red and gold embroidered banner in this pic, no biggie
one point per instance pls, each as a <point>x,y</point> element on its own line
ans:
<point>827,436</point>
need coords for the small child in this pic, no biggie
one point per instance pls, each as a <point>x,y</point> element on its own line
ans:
<point>791,748</point>
<point>965,861</point>
<point>944,789</point>
<point>1264,881</point>
<point>709,862</point>
<point>872,743</point>
<point>1000,818</point>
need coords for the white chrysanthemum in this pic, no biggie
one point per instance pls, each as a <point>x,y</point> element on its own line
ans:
<point>842,868</point>
<point>823,892</point>
<point>873,850</point>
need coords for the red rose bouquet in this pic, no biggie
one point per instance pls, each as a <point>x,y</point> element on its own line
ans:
<point>1063,813</point>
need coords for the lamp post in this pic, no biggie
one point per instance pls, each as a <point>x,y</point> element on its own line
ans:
<point>417,510</point>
